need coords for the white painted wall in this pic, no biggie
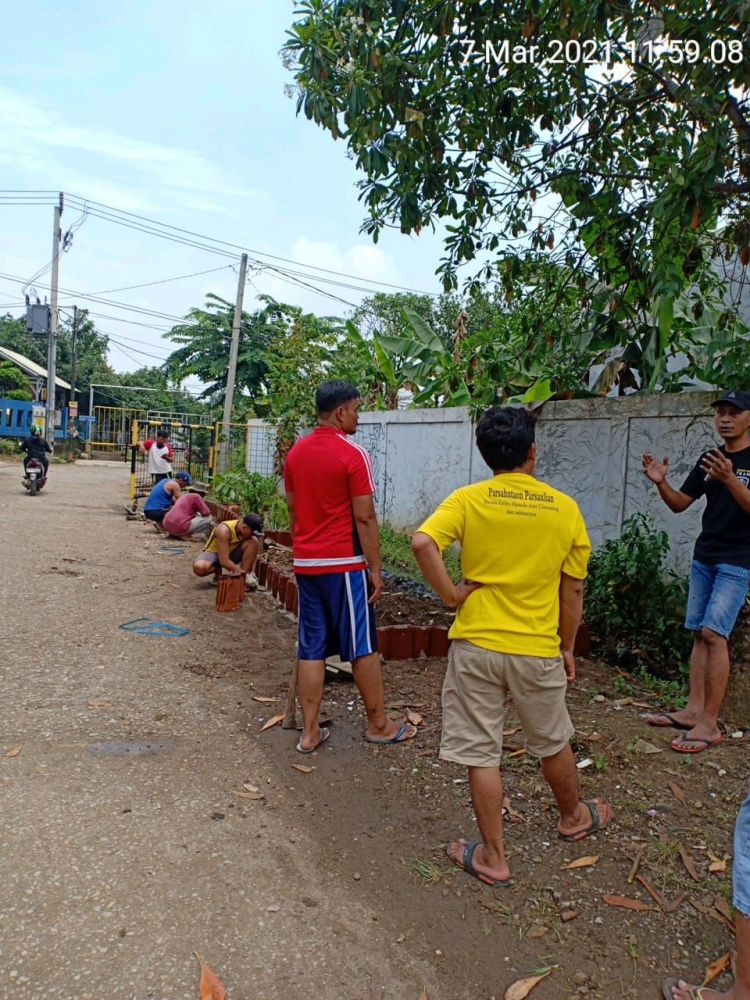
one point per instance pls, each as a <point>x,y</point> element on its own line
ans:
<point>589,448</point>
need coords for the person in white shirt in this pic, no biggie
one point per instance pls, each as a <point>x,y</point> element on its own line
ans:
<point>160,454</point>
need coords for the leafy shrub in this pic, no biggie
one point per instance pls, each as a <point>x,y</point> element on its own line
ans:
<point>9,446</point>
<point>253,494</point>
<point>633,606</point>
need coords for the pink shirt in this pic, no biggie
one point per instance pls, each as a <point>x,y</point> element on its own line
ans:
<point>177,520</point>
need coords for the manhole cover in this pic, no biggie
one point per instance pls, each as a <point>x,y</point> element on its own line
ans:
<point>116,748</point>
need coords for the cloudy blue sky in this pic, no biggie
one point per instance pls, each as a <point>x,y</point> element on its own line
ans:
<point>175,111</point>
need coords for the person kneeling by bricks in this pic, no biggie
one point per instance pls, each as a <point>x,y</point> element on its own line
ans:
<point>232,546</point>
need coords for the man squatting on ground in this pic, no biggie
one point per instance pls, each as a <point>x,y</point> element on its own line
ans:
<point>524,552</point>
<point>162,496</point>
<point>232,546</point>
<point>329,492</point>
<point>189,517</point>
<point>720,570</point>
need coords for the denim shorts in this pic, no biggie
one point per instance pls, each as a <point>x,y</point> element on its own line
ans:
<point>716,596</point>
<point>741,864</point>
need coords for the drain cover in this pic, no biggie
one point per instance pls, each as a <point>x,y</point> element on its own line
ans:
<point>115,748</point>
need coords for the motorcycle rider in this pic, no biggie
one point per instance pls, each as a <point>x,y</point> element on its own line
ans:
<point>37,447</point>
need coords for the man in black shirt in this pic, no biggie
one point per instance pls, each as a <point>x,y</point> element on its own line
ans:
<point>36,446</point>
<point>720,571</point>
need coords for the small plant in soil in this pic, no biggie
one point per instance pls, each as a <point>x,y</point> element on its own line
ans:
<point>428,872</point>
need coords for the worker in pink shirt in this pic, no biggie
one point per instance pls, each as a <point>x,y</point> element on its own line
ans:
<point>188,517</point>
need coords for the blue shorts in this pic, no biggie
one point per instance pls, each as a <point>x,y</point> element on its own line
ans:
<point>741,863</point>
<point>334,616</point>
<point>716,596</point>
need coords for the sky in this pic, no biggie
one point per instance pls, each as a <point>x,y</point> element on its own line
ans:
<point>176,111</point>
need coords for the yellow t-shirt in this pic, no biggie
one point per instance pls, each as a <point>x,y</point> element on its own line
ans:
<point>517,535</point>
<point>212,545</point>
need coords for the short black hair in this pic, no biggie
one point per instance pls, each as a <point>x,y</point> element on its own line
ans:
<point>505,435</point>
<point>334,393</point>
<point>161,433</point>
<point>253,521</point>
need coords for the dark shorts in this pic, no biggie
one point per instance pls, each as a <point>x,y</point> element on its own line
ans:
<point>213,557</point>
<point>334,616</point>
<point>156,515</point>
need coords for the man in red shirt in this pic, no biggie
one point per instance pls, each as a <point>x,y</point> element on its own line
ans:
<point>329,492</point>
<point>190,516</point>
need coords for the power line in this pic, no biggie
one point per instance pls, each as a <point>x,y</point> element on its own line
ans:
<point>255,253</point>
<point>163,281</point>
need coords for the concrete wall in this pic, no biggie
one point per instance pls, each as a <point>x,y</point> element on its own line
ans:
<point>589,448</point>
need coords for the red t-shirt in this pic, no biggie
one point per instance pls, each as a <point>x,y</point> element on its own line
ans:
<point>177,520</point>
<point>324,471</point>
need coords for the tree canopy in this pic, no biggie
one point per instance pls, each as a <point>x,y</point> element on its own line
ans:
<point>609,138</point>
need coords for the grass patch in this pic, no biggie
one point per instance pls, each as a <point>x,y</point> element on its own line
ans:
<point>429,873</point>
<point>395,548</point>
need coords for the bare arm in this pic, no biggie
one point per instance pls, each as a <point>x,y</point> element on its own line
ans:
<point>571,609</point>
<point>222,545</point>
<point>657,473</point>
<point>173,489</point>
<point>719,467</point>
<point>427,554</point>
<point>366,521</point>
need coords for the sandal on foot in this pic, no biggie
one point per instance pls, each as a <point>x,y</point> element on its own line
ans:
<point>694,992</point>
<point>596,823</point>
<point>468,867</point>
<point>682,744</point>
<point>653,720</point>
<point>324,734</point>
<point>400,736</point>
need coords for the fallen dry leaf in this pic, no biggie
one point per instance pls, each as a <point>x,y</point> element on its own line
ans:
<point>100,704</point>
<point>690,864</point>
<point>521,989</point>
<point>518,753</point>
<point>567,915</point>
<point>537,931</point>
<point>254,796</point>
<point>266,701</point>
<point>716,968</point>
<point>622,702</point>
<point>14,752</point>
<point>677,792</point>
<point>507,807</point>
<point>414,717</point>
<point>642,746</point>
<point>250,788</point>
<point>424,994</point>
<point>305,768</point>
<point>273,721</point>
<point>723,907</point>
<point>512,731</point>
<point>626,902</point>
<point>664,905</point>
<point>636,865</point>
<point>718,866</point>
<point>641,704</point>
<point>586,862</point>
<point>210,985</point>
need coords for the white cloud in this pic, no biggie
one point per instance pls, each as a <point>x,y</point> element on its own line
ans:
<point>32,136</point>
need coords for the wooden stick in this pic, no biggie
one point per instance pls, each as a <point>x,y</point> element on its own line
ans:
<point>636,865</point>
<point>290,715</point>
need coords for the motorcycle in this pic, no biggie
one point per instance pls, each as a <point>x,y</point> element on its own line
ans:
<point>34,478</point>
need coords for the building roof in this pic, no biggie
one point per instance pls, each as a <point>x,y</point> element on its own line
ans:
<point>30,367</point>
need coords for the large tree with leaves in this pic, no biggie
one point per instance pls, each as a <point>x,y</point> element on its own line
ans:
<point>611,137</point>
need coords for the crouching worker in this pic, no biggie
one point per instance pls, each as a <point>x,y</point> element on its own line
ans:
<point>189,518</point>
<point>162,496</point>
<point>232,546</point>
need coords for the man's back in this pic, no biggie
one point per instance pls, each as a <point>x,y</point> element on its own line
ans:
<point>179,518</point>
<point>35,446</point>
<point>324,471</point>
<point>517,535</point>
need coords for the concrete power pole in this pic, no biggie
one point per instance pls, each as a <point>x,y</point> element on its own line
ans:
<point>49,423</point>
<point>232,368</point>
<point>73,346</point>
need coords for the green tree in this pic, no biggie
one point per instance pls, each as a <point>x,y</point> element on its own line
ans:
<point>13,383</point>
<point>205,341</point>
<point>612,139</point>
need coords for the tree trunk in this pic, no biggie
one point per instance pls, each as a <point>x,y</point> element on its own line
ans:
<point>736,710</point>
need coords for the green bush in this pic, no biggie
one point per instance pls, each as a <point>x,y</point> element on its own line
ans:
<point>633,606</point>
<point>253,494</point>
<point>398,558</point>
<point>9,446</point>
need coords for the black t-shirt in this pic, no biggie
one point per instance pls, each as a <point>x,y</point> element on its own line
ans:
<point>725,537</point>
<point>36,446</point>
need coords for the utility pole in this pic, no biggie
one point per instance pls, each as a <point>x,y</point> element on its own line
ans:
<point>232,369</point>
<point>72,410</point>
<point>49,422</point>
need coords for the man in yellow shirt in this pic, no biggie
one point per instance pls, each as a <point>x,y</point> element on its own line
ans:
<point>524,549</point>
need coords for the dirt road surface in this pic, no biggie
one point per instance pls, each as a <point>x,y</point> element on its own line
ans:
<point>124,845</point>
<point>115,864</point>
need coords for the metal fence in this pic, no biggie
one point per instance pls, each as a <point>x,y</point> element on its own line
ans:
<point>191,446</point>
<point>112,429</point>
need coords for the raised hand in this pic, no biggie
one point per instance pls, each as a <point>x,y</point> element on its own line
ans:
<point>655,471</point>
<point>717,466</point>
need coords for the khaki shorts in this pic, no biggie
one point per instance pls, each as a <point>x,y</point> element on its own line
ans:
<point>477,684</point>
